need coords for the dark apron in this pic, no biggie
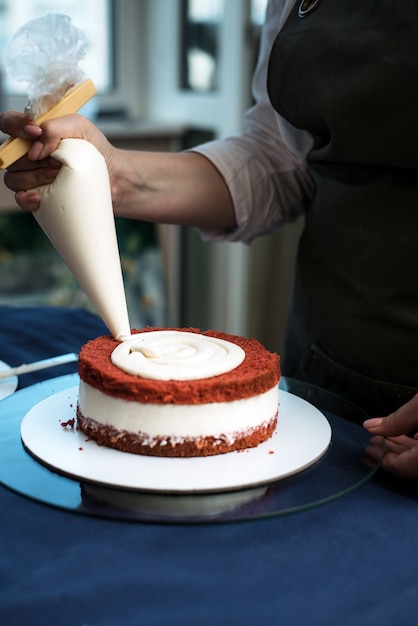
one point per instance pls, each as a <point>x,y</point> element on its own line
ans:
<point>348,73</point>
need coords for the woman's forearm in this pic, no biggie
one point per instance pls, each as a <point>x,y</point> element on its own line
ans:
<point>171,188</point>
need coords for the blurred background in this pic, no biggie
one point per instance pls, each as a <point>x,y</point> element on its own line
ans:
<point>170,74</point>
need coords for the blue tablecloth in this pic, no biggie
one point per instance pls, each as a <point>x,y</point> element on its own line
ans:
<point>350,562</point>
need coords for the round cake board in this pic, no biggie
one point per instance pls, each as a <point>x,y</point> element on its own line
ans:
<point>302,436</point>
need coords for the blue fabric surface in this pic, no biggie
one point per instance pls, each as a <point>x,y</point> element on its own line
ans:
<point>33,333</point>
<point>348,563</point>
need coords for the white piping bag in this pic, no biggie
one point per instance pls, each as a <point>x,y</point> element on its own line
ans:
<point>76,214</point>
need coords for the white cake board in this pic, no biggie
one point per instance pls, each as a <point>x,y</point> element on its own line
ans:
<point>303,435</point>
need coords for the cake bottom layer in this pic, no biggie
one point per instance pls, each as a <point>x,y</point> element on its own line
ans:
<point>166,446</point>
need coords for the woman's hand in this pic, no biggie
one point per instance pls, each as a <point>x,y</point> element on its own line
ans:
<point>38,168</point>
<point>401,458</point>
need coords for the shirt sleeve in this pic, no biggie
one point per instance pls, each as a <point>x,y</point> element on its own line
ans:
<point>264,166</point>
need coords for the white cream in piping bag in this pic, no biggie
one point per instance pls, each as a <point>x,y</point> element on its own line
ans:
<point>76,214</point>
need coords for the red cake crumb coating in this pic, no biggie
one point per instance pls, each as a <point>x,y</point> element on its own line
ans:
<point>259,372</point>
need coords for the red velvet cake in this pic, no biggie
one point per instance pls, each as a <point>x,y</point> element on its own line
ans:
<point>197,393</point>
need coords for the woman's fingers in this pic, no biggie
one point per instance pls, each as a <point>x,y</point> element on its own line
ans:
<point>402,421</point>
<point>16,124</point>
<point>27,175</point>
<point>400,455</point>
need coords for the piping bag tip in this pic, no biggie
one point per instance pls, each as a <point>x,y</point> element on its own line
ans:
<point>121,337</point>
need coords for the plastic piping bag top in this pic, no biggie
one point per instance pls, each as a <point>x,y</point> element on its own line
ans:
<point>44,54</point>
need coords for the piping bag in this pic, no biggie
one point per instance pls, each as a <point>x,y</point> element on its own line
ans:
<point>76,210</point>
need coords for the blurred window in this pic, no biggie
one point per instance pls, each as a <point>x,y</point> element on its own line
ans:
<point>200,21</point>
<point>258,10</point>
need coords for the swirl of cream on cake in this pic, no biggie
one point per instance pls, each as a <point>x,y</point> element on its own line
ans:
<point>176,355</point>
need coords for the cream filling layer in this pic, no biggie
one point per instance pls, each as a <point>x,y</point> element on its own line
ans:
<point>178,421</point>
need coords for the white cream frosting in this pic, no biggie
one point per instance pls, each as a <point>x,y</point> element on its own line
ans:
<point>176,355</point>
<point>76,214</point>
<point>221,420</point>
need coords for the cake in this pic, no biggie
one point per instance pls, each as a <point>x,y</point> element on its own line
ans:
<point>178,392</point>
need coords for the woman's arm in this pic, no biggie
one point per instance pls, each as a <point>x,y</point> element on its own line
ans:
<point>265,166</point>
<point>170,188</point>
